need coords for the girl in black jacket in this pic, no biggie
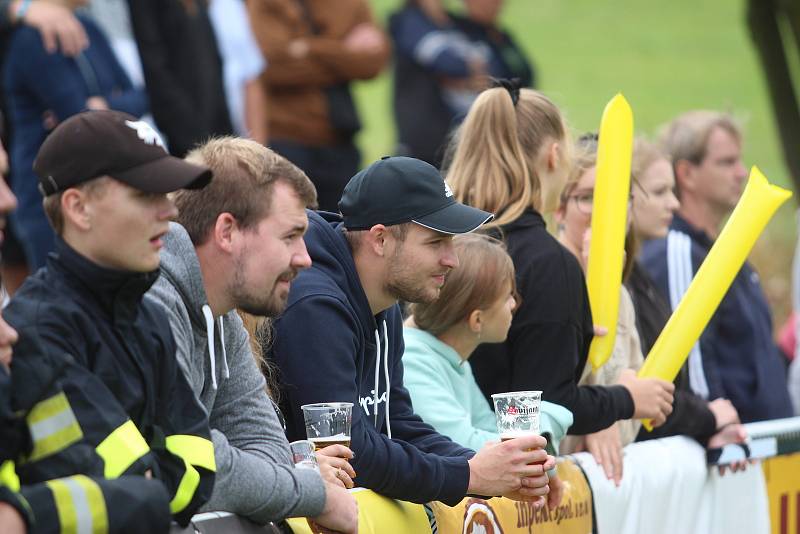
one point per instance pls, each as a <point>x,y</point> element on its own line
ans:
<point>512,159</point>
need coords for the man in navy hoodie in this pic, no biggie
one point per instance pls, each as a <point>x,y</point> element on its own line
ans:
<point>736,357</point>
<point>341,337</point>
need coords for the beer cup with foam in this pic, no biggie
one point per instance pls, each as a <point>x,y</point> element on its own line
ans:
<point>328,423</point>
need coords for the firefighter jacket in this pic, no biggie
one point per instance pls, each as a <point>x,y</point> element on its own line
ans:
<point>78,503</point>
<point>119,405</point>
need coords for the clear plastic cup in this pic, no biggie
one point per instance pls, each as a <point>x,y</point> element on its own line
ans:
<point>303,454</point>
<point>328,423</point>
<point>517,413</point>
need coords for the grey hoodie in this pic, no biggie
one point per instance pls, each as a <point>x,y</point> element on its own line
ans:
<point>256,477</point>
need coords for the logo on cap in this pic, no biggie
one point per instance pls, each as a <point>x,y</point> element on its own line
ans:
<point>447,191</point>
<point>146,133</point>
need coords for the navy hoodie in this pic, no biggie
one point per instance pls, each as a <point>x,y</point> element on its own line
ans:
<point>331,348</point>
<point>736,357</point>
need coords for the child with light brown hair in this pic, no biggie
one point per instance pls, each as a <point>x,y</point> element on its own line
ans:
<point>475,306</point>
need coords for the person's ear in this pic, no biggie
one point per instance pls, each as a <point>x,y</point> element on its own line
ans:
<point>553,156</point>
<point>224,232</point>
<point>474,322</point>
<point>376,239</point>
<point>76,208</point>
<point>685,176</point>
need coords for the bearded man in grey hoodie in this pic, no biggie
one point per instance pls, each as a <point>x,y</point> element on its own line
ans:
<point>239,245</point>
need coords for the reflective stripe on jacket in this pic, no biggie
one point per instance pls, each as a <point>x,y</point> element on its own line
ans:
<point>119,404</point>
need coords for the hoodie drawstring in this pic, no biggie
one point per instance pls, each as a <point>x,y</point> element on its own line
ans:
<point>210,335</point>
<point>385,375</point>
<point>226,374</point>
<point>377,378</point>
<point>209,317</point>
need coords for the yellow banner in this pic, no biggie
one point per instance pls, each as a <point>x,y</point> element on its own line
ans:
<point>782,474</point>
<point>504,516</point>
<point>377,515</point>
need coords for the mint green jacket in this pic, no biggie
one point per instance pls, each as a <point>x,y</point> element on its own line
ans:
<point>445,395</point>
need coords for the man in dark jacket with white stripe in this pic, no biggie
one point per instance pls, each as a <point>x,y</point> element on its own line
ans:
<point>736,357</point>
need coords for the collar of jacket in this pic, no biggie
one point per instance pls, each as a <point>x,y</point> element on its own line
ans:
<point>530,218</point>
<point>682,225</point>
<point>119,293</point>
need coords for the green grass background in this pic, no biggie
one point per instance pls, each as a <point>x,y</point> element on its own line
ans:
<point>665,57</point>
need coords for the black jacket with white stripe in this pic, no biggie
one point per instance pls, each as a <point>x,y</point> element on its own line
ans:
<point>736,357</point>
<point>690,413</point>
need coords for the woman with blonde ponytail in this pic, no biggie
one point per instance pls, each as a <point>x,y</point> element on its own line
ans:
<point>512,157</point>
<point>504,144</point>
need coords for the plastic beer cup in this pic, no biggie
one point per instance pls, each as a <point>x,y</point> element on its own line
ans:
<point>328,423</point>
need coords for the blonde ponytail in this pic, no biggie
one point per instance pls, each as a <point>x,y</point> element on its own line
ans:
<point>494,163</point>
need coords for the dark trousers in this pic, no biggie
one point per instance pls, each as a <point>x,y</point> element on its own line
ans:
<point>329,167</point>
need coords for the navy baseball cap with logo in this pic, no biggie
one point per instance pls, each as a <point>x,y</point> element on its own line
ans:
<point>111,143</point>
<point>396,190</point>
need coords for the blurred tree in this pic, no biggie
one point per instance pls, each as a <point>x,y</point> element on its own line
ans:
<point>765,18</point>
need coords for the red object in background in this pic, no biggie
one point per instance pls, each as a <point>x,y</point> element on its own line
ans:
<point>787,340</point>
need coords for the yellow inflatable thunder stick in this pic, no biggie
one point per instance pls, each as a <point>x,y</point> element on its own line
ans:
<point>609,215</point>
<point>754,210</point>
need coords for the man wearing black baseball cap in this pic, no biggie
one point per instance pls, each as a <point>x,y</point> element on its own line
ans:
<point>120,404</point>
<point>341,337</point>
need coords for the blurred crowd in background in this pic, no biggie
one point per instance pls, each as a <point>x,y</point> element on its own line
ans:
<point>280,73</point>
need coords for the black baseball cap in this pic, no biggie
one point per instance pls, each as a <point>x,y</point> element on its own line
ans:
<point>396,190</point>
<point>97,143</point>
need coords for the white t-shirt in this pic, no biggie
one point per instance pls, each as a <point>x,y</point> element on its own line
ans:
<point>241,57</point>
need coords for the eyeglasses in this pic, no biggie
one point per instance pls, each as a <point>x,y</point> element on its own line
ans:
<point>584,201</point>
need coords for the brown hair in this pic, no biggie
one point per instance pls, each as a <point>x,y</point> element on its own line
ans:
<point>585,159</point>
<point>355,237</point>
<point>244,174</point>
<point>483,272</point>
<point>494,162</point>
<point>52,203</point>
<point>645,153</point>
<point>259,330</point>
<point>686,137</point>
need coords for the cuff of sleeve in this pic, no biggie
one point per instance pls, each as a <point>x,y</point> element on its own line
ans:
<point>456,483</point>
<point>551,450</point>
<point>312,489</point>
<point>707,426</point>
<point>623,402</point>
<point>18,502</point>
